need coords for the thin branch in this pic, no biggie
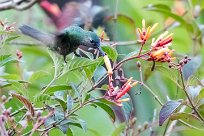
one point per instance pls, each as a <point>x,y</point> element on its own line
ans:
<point>17,4</point>
<point>189,99</point>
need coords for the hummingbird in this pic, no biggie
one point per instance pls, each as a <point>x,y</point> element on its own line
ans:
<point>66,41</point>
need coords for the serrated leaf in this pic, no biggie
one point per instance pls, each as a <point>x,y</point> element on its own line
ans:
<point>42,97</point>
<point>167,110</point>
<point>111,52</point>
<point>11,38</point>
<point>90,70</point>
<point>18,87</point>
<point>78,63</point>
<point>70,103</point>
<point>120,128</point>
<point>37,75</point>
<point>25,102</point>
<point>4,59</point>
<point>56,88</point>
<point>107,109</point>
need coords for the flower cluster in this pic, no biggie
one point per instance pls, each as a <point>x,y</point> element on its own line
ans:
<point>159,51</point>
<point>181,63</point>
<point>115,93</point>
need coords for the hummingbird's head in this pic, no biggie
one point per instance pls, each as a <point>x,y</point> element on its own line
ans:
<point>91,40</point>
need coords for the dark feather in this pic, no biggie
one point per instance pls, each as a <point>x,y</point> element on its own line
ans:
<point>47,39</point>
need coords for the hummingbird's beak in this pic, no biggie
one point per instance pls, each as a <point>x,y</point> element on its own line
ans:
<point>101,51</point>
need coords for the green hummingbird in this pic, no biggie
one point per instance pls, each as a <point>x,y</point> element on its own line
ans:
<point>66,41</point>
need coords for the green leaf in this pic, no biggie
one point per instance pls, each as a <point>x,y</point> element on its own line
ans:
<point>60,97</point>
<point>99,72</point>
<point>168,73</point>
<point>187,117</point>
<point>201,94</point>
<point>105,101</point>
<point>78,63</point>
<point>131,54</point>
<point>192,66</point>
<point>69,132</point>
<point>4,59</point>
<point>10,76</point>
<point>111,52</point>
<point>107,109</point>
<point>4,84</point>
<point>193,92</point>
<point>120,128</point>
<point>20,88</point>
<point>94,132</point>
<point>167,110</point>
<point>37,75</point>
<point>57,116</point>
<point>42,97</point>
<point>56,88</point>
<point>11,38</point>
<point>70,103</point>
<point>127,108</point>
<point>168,12</point>
<point>83,124</point>
<point>159,6</point>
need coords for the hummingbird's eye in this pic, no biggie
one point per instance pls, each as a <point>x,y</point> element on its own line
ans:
<point>91,41</point>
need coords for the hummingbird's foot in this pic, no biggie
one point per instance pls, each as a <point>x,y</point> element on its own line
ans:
<point>64,57</point>
<point>76,54</point>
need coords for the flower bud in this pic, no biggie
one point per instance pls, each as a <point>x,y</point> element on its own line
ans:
<point>3,98</point>
<point>108,64</point>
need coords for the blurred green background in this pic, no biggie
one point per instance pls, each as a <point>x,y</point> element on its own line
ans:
<point>38,59</point>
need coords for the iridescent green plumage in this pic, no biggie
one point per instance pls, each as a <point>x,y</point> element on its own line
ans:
<point>66,41</point>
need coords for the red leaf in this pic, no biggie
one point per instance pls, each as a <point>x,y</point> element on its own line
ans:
<point>25,102</point>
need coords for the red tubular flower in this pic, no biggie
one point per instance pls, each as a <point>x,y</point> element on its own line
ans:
<point>124,90</point>
<point>162,41</point>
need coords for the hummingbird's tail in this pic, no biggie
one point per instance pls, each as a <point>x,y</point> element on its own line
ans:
<point>47,39</point>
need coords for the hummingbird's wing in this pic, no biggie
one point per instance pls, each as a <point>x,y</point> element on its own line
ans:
<point>47,39</point>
